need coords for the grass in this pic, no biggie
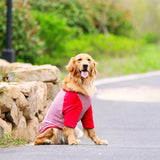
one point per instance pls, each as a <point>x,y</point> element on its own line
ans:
<point>7,140</point>
<point>146,60</point>
<point>117,55</point>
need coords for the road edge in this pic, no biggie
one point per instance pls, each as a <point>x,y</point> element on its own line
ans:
<point>126,78</point>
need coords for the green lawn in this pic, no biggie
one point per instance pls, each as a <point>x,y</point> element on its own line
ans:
<point>147,59</point>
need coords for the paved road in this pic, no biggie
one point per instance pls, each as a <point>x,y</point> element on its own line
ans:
<point>129,122</point>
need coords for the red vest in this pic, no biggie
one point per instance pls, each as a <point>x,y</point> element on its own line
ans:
<point>66,110</point>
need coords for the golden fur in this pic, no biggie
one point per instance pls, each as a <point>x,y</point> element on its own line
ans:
<point>74,82</point>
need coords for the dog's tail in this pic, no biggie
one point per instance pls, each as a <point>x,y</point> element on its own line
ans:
<point>78,132</point>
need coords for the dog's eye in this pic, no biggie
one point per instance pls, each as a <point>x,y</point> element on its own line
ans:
<point>89,59</point>
<point>79,59</point>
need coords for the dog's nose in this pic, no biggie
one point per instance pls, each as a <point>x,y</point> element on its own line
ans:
<point>85,66</point>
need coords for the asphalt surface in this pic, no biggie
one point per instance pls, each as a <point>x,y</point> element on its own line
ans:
<point>129,122</point>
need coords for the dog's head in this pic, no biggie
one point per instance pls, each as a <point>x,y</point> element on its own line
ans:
<point>82,66</point>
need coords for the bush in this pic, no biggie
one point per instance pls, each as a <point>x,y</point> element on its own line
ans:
<point>150,37</point>
<point>25,40</point>
<point>46,36</point>
<point>43,6</point>
<point>73,11</point>
<point>118,21</point>
<point>3,23</point>
<point>55,33</point>
<point>98,45</point>
<point>88,15</point>
<point>109,17</point>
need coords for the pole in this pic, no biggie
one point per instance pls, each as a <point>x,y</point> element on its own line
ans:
<point>9,53</point>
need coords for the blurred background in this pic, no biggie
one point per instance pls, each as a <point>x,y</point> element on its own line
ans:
<point>123,36</point>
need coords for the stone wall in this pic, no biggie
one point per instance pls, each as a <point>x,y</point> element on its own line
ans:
<point>26,93</point>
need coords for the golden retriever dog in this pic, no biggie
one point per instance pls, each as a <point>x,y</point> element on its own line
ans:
<point>72,104</point>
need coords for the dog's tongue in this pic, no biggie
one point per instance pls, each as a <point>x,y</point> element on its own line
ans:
<point>84,74</point>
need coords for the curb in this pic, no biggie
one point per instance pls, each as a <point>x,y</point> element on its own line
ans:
<point>126,78</point>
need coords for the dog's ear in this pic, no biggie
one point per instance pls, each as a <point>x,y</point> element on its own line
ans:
<point>71,65</point>
<point>94,70</point>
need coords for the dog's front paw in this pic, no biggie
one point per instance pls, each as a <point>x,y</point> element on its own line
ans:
<point>73,142</point>
<point>100,142</point>
<point>47,142</point>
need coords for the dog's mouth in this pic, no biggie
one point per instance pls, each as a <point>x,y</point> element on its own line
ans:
<point>84,73</point>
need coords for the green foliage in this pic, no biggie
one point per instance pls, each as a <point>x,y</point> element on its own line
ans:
<point>7,140</point>
<point>100,45</point>
<point>72,11</point>
<point>76,14</point>
<point>88,15</point>
<point>97,46</point>
<point>118,21</point>
<point>2,25</point>
<point>150,37</point>
<point>146,60</point>
<point>43,6</point>
<point>109,17</point>
<point>25,40</point>
<point>55,33</point>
